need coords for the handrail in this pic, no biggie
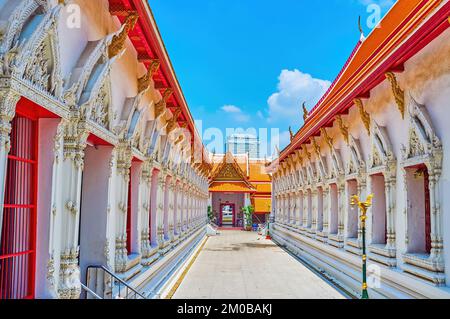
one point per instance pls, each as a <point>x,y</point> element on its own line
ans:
<point>90,291</point>
<point>120,281</point>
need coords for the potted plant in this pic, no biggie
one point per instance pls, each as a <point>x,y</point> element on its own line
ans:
<point>210,214</point>
<point>248,217</point>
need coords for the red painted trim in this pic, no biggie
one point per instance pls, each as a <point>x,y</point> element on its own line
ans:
<point>97,141</point>
<point>29,111</point>
<point>32,110</point>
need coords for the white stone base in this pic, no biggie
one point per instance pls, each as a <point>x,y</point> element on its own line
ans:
<point>345,269</point>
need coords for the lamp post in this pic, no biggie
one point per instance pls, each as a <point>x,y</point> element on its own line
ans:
<point>363,206</point>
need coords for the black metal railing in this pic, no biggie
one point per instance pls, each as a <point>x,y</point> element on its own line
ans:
<point>103,283</point>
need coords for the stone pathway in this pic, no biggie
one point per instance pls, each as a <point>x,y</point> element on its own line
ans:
<point>243,265</point>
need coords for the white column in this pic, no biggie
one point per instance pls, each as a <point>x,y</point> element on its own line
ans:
<point>298,209</point>
<point>314,202</point>
<point>341,210</point>
<point>146,179</point>
<point>160,207</point>
<point>8,102</point>
<point>326,209</point>
<point>171,209</point>
<point>177,209</point>
<point>64,273</point>
<point>123,153</point>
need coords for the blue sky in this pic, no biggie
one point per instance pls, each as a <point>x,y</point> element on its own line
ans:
<point>249,63</point>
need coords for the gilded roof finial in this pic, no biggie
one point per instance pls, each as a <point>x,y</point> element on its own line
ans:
<point>118,41</point>
<point>291,133</point>
<point>305,111</point>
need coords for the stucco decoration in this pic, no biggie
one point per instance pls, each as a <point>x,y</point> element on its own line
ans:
<point>381,156</point>
<point>11,31</point>
<point>382,160</point>
<point>425,147</point>
<point>37,58</point>
<point>355,165</point>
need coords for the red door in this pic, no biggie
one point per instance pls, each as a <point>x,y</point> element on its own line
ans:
<point>129,218</point>
<point>18,243</point>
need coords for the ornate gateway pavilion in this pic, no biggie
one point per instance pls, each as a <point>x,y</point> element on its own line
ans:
<point>102,169</point>
<point>383,129</point>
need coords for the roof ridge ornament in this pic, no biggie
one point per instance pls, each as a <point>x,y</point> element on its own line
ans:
<point>291,133</point>
<point>365,117</point>
<point>362,38</point>
<point>305,112</point>
<point>118,41</point>
<point>399,94</point>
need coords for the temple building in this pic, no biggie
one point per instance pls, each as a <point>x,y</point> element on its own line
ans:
<point>382,129</point>
<point>104,176</point>
<point>237,182</point>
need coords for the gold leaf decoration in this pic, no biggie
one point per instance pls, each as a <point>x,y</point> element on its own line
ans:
<point>365,117</point>
<point>118,41</point>
<point>343,128</point>
<point>399,94</point>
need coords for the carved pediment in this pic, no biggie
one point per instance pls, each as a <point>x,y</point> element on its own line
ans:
<point>19,16</point>
<point>100,109</point>
<point>422,140</point>
<point>37,59</point>
<point>228,172</point>
<point>381,149</point>
<point>356,163</point>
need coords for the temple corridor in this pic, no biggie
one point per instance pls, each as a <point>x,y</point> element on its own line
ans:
<point>241,265</point>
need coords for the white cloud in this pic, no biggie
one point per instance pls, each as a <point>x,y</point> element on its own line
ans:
<point>231,109</point>
<point>237,114</point>
<point>294,88</point>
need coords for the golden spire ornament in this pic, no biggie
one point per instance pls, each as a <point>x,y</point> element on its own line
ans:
<point>305,112</point>
<point>291,133</point>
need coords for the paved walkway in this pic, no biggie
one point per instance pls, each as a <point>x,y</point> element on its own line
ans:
<point>243,265</point>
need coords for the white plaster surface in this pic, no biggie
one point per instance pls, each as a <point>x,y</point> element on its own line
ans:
<point>243,265</point>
